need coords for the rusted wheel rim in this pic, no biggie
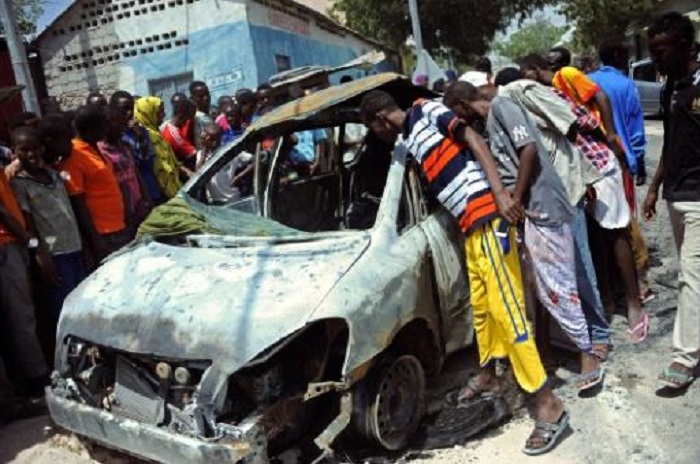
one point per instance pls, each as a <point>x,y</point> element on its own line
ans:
<point>399,403</point>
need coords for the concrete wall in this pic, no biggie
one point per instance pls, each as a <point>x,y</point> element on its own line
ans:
<point>303,38</point>
<point>159,46</point>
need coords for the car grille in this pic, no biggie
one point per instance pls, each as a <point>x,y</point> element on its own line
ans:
<point>135,397</point>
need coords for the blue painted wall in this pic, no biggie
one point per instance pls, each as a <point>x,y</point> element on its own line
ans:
<point>210,52</point>
<point>303,51</point>
<point>243,46</point>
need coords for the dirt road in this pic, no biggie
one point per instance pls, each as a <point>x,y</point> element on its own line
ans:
<point>630,421</point>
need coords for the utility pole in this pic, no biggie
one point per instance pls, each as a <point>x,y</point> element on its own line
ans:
<point>415,23</point>
<point>18,56</point>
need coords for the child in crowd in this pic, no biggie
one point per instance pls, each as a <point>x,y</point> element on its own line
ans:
<point>136,202</point>
<point>93,187</point>
<point>49,217</point>
<point>231,123</point>
<point>16,305</point>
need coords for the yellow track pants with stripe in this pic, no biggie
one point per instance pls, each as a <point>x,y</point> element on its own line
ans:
<point>496,286</point>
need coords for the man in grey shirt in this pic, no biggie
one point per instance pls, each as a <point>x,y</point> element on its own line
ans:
<point>526,170</point>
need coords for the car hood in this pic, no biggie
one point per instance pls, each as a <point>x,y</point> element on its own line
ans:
<point>221,304</point>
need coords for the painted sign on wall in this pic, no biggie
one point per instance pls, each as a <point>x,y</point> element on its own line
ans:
<point>226,80</point>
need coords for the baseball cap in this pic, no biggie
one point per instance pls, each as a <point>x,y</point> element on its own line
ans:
<point>475,78</point>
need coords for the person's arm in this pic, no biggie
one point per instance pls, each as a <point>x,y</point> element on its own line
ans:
<point>606,115</point>
<point>94,240</point>
<point>43,257</point>
<point>509,209</point>
<point>649,205</point>
<point>13,226</point>
<point>526,171</point>
<point>635,125</point>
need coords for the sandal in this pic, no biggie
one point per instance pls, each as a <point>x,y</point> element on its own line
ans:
<point>601,351</point>
<point>647,296</point>
<point>676,379</point>
<point>549,433</point>
<point>460,398</point>
<point>640,331</point>
<point>590,380</point>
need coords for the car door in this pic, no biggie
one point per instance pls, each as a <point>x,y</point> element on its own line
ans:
<point>446,245</point>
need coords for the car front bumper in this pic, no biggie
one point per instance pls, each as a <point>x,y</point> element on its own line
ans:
<point>153,443</point>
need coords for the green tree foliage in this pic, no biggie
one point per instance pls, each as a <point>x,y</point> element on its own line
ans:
<point>27,13</point>
<point>599,19</point>
<point>466,26</point>
<point>536,37</point>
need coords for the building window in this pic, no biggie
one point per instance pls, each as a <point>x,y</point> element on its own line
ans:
<point>283,63</point>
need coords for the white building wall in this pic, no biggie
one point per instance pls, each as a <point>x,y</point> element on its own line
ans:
<point>101,44</point>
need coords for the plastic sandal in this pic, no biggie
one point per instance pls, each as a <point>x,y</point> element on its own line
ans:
<point>591,379</point>
<point>549,432</point>
<point>672,378</point>
<point>455,398</point>
<point>640,331</point>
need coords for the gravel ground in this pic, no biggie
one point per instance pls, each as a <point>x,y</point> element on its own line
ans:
<point>631,420</point>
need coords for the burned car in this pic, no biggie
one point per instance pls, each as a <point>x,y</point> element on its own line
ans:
<point>305,313</point>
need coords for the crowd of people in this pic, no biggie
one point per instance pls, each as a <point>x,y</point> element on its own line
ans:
<point>75,186</point>
<point>545,156</point>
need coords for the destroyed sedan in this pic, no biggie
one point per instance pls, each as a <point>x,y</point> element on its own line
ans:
<point>277,323</point>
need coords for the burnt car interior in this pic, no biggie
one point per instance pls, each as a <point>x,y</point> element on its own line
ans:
<point>339,195</point>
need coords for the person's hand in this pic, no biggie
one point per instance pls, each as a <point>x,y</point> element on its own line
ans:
<point>511,209</point>
<point>649,205</point>
<point>12,169</point>
<point>187,171</point>
<point>591,194</point>
<point>48,267</point>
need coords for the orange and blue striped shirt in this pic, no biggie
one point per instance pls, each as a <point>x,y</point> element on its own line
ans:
<point>453,174</point>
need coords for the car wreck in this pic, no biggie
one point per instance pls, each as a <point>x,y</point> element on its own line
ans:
<point>308,312</point>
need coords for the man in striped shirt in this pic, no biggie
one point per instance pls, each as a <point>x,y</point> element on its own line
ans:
<point>462,175</point>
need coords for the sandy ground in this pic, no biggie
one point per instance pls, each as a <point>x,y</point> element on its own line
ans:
<point>631,420</point>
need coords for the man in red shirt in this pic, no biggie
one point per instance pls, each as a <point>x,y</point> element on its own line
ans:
<point>175,132</point>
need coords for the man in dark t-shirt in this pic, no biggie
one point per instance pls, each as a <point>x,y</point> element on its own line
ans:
<point>671,44</point>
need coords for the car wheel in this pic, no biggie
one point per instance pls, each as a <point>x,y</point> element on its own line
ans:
<point>390,403</point>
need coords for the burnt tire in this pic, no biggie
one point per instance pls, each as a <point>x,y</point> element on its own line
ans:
<point>390,402</point>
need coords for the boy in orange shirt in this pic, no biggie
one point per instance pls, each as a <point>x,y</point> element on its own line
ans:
<point>93,187</point>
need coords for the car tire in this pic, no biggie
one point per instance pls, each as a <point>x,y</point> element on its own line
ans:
<point>390,402</point>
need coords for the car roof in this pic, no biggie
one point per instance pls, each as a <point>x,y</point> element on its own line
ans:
<point>316,107</point>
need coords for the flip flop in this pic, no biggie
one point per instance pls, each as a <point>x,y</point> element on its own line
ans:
<point>602,352</point>
<point>678,380</point>
<point>590,379</point>
<point>549,432</point>
<point>640,331</point>
<point>647,296</point>
<point>455,398</point>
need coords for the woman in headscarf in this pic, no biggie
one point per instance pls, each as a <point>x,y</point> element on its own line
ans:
<point>149,112</point>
